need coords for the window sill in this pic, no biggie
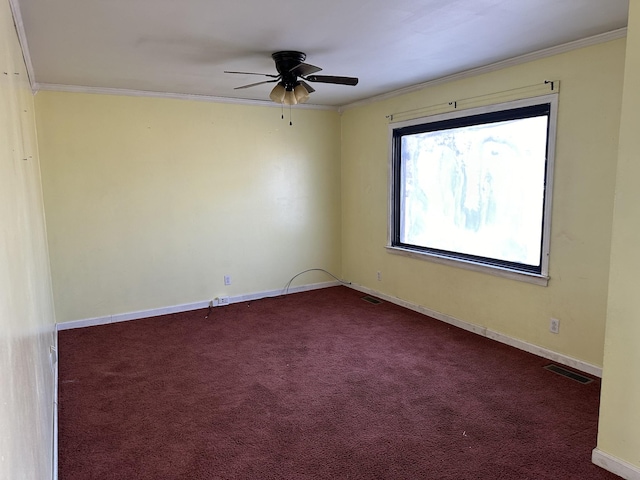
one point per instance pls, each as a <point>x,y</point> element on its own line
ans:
<point>533,278</point>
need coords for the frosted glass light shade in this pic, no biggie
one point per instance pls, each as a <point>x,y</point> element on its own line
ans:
<point>290,98</point>
<point>277,94</point>
<point>301,93</point>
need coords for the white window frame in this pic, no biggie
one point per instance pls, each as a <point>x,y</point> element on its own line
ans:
<point>539,279</point>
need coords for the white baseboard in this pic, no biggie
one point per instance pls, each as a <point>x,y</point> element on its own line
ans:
<point>154,312</point>
<point>485,332</point>
<point>615,465</point>
<point>55,362</point>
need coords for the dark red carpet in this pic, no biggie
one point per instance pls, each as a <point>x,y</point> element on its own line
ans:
<point>315,385</point>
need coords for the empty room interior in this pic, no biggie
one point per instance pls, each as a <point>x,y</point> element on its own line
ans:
<point>140,187</point>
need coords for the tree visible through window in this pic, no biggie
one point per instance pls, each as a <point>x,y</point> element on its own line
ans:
<point>473,187</point>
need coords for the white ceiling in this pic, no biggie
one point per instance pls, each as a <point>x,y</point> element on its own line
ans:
<point>184,46</point>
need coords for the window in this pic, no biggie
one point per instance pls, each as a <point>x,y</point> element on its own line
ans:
<point>473,187</point>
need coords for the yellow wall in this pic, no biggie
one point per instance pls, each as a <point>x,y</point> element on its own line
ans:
<point>620,408</point>
<point>26,310</point>
<point>586,154</point>
<point>150,202</point>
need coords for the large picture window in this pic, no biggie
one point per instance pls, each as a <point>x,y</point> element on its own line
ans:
<point>474,186</point>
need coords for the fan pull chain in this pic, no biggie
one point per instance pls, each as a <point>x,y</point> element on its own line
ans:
<point>290,122</point>
<point>282,107</point>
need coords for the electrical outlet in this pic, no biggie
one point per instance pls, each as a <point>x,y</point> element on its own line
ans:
<point>227,280</point>
<point>379,276</point>
<point>554,325</point>
<point>223,301</point>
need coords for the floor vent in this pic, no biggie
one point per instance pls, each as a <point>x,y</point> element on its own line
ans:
<point>373,300</point>
<point>569,374</point>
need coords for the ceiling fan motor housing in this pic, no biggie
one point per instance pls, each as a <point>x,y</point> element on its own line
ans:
<point>286,61</point>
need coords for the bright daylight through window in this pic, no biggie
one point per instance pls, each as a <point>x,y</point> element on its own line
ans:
<point>474,186</point>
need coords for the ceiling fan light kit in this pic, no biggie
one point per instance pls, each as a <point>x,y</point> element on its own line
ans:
<point>293,74</point>
<point>289,98</point>
<point>301,93</point>
<point>277,94</point>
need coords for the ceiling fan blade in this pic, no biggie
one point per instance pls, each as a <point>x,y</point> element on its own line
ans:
<point>253,73</point>
<point>255,84</point>
<point>332,79</point>
<point>304,69</point>
<point>308,87</point>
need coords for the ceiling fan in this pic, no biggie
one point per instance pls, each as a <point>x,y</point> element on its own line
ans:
<point>293,74</point>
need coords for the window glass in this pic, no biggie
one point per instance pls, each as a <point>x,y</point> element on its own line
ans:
<point>473,187</point>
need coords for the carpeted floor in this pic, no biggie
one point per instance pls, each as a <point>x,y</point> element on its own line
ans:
<point>315,385</point>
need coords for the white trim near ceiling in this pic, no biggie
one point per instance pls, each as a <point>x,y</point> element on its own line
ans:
<point>178,96</point>
<point>510,62</point>
<point>547,52</point>
<point>22,38</point>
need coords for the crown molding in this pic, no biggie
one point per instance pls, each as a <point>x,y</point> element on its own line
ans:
<point>510,62</point>
<point>22,39</point>
<point>54,87</point>
<point>529,57</point>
